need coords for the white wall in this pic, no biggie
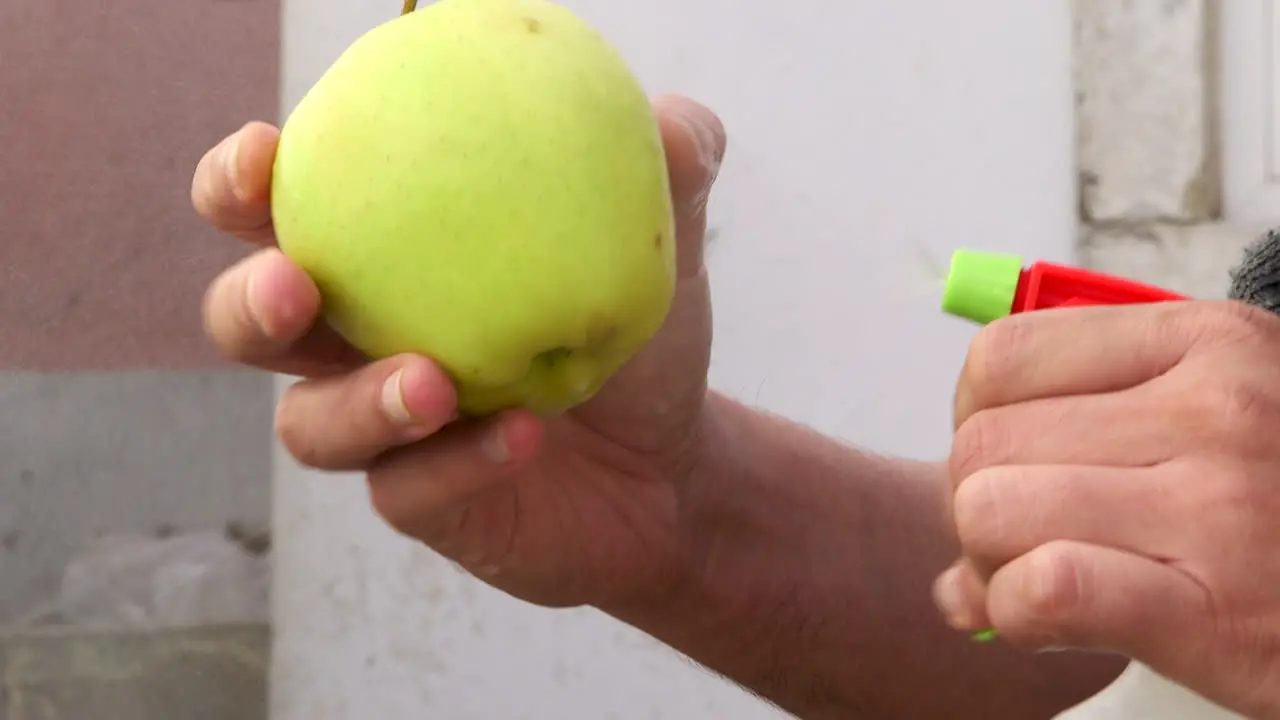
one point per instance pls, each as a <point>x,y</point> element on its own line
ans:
<point>1249,42</point>
<point>865,137</point>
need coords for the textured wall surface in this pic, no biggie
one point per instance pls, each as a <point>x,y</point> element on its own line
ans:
<point>1194,260</point>
<point>105,108</point>
<point>1149,154</point>
<point>1145,110</point>
<point>196,674</point>
<point>92,453</point>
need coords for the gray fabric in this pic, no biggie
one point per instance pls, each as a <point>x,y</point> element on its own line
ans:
<point>1256,280</point>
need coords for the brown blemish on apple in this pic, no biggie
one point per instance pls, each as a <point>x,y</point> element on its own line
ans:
<point>600,330</point>
<point>553,356</point>
<point>657,241</point>
<point>532,25</point>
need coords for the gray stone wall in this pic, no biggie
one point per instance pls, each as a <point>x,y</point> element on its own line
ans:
<point>115,417</point>
<point>148,452</point>
<point>212,673</point>
<point>1148,144</point>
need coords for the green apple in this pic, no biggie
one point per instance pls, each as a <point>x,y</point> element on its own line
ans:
<point>483,182</point>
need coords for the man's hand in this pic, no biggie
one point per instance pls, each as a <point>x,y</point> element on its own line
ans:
<point>1116,478</point>
<point>744,541</point>
<point>586,508</point>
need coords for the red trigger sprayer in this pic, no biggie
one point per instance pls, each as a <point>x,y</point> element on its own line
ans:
<point>984,287</point>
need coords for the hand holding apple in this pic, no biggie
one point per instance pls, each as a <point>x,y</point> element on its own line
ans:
<point>1116,480</point>
<point>582,507</point>
<point>478,213</point>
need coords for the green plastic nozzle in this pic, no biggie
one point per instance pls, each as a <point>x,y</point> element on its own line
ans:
<point>984,636</point>
<point>981,286</point>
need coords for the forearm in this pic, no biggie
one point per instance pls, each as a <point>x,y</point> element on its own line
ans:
<point>811,586</point>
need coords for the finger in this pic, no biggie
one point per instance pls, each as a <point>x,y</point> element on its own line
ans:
<point>1074,351</point>
<point>423,489</point>
<point>343,422</point>
<point>231,188</point>
<point>1087,597</point>
<point>1138,427</point>
<point>264,310</point>
<point>960,594</point>
<point>1004,512</point>
<point>695,143</point>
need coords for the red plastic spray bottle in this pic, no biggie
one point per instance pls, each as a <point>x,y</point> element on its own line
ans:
<point>984,287</point>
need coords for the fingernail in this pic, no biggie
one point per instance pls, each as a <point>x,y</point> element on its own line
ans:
<point>256,304</point>
<point>949,596</point>
<point>393,405</point>
<point>231,165</point>
<point>494,446</point>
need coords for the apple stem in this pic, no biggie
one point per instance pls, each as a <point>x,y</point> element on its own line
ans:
<point>409,6</point>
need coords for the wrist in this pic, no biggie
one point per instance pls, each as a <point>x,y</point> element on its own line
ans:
<point>782,533</point>
<point>725,526</point>
<point>735,605</point>
<point>698,482</point>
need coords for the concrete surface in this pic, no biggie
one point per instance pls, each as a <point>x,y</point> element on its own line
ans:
<point>210,673</point>
<point>88,453</point>
<point>1145,110</point>
<point>1191,259</point>
<point>105,109</point>
<point>1142,694</point>
<point>103,262</point>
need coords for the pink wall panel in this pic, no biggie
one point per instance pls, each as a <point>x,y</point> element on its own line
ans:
<point>105,108</point>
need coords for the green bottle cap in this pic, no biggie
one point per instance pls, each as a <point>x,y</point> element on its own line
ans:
<point>981,286</point>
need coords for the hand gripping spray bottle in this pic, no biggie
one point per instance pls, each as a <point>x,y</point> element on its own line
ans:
<point>984,287</point>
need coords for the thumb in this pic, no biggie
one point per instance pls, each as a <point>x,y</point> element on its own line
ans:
<point>695,142</point>
<point>1088,597</point>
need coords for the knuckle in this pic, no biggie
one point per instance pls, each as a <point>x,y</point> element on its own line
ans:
<point>389,506</point>
<point>983,441</point>
<point>1232,503</point>
<point>227,321</point>
<point>1255,644</point>
<point>1234,411</point>
<point>993,352</point>
<point>296,434</point>
<point>209,311</point>
<point>1230,321</point>
<point>1056,584</point>
<point>204,189</point>
<point>979,519</point>
<point>199,199</point>
<point>384,506</point>
<point>1241,499</point>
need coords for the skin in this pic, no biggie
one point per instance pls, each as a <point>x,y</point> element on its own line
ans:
<point>1110,489</point>
<point>1120,493</point>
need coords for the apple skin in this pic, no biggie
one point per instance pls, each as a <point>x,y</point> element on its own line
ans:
<point>483,182</point>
